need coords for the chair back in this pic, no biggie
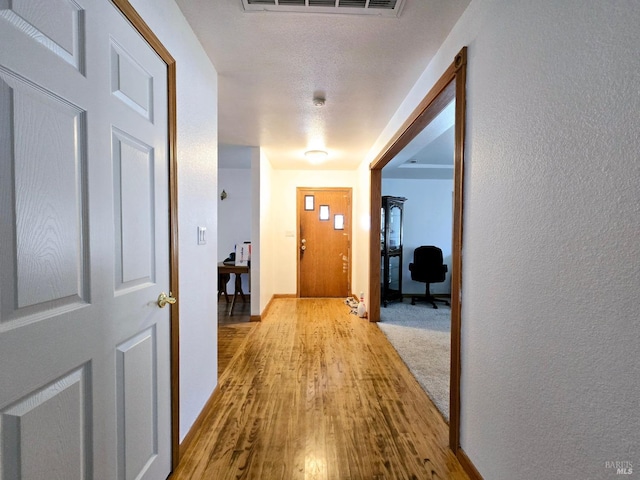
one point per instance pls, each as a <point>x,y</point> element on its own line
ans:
<point>428,265</point>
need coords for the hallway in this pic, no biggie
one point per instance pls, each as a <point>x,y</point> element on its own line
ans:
<point>316,393</point>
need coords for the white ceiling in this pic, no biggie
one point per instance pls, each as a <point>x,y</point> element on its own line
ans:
<point>272,64</point>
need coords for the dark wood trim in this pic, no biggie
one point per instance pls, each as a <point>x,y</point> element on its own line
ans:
<point>374,242</point>
<point>468,465</point>
<point>255,318</point>
<point>197,425</point>
<point>267,307</point>
<point>406,132</point>
<point>460,64</point>
<point>270,302</point>
<point>173,245</point>
<point>421,120</point>
<point>297,240</point>
<point>451,85</point>
<point>140,25</point>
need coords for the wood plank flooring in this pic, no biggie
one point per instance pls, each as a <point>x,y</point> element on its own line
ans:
<point>232,331</point>
<point>316,393</point>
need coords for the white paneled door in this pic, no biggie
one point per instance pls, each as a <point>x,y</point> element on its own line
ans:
<point>84,346</point>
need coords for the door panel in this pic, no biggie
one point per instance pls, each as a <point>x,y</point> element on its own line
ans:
<point>56,24</point>
<point>47,434</point>
<point>137,427</point>
<point>130,82</point>
<point>84,348</point>
<point>324,243</point>
<point>134,211</point>
<point>48,250</point>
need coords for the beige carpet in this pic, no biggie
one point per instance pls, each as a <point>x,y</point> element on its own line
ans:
<point>422,337</point>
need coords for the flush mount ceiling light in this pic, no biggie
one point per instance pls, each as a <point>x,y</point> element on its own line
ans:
<point>316,156</point>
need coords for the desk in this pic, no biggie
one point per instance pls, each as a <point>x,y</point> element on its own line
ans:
<point>238,270</point>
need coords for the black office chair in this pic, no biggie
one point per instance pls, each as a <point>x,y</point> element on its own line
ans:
<point>428,267</point>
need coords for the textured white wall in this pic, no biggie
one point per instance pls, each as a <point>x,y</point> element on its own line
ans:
<point>428,220</point>
<point>361,230</point>
<point>267,226</point>
<point>256,237</point>
<point>550,350</point>
<point>197,176</point>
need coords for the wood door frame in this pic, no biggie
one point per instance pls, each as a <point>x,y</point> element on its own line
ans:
<point>154,42</point>
<point>451,85</point>
<point>348,190</point>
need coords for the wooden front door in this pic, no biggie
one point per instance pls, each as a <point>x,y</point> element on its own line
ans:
<point>324,242</point>
<point>84,346</point>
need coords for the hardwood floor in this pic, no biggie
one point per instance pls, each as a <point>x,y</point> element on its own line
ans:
<point>232,331</point>
<point>316,393</point>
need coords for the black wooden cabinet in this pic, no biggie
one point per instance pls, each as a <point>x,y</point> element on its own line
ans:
<point>391,248</point>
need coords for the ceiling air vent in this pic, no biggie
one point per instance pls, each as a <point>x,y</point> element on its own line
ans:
<point>387,8</point>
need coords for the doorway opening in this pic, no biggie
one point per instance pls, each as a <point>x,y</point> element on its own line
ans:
<point>450,87</point>
<point>417,184</point>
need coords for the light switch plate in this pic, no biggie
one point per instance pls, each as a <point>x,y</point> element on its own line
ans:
<point>202,235</point>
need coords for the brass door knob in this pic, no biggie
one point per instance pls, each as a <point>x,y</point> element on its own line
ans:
<point>163,299</point>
